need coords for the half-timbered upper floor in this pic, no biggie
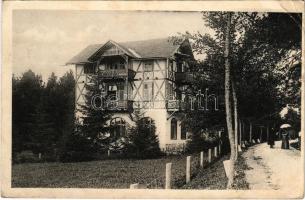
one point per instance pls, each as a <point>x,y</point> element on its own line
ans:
<point>151,73</point>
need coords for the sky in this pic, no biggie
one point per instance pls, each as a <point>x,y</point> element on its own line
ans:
<point>44,40</point>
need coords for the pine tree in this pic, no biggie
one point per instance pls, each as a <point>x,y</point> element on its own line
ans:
<point>142,141</point>
<point>42,137</point>
<point>93,122</point>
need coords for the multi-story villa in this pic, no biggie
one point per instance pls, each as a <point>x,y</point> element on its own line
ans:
<point>149,75</point>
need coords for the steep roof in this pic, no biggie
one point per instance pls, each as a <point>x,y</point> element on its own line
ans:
<point>154,48</point>
<point>82,57</point>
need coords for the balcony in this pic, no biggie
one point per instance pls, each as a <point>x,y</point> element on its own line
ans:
<point>119,105</point>
<point>115,74</point>
<point>184,77</point>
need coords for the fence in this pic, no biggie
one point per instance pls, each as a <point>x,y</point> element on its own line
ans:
<point>176,175</point>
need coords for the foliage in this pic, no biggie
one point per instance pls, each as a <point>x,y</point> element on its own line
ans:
<point>78,148</point>
<point>201,141</point>
<point>293,118</point>
<point>265,59</point>
<point>26,156</point>
<point>26,95</point>
<point>142,141</point>
<point>41,113</point>
<point>91,134</point>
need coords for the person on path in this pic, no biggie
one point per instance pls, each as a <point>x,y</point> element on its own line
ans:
<point>285,140</point>
<point>271,139</point>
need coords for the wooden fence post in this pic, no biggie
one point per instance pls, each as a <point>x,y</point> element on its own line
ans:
<point>220,142</point>
<point>168,172</point>
<point>134,186</point>
<point>250,139</point>
<point>239,126</point>
<point>241,133</point>
<point>210,156</point>
<point>188,169</point>
<point>215,152</point>
<point>201,159</point>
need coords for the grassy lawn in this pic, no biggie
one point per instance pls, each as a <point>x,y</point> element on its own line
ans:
<point>99,174</point>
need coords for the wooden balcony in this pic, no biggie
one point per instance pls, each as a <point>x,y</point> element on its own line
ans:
<point>116,74</point>
<point>119,105</point>
<point>184,77</point>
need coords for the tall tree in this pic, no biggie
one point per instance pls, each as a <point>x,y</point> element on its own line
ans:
<point>235,103</point>
<point>93,122</point>
<point>27,92</point>
<point>66,108</point>
<point>228,102</point>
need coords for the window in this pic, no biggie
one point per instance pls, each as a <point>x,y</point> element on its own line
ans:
<point>179,67</point>
<point>89,68</point>
<point>173,129</point>
<point>148,91</point>
<point>120,93</point>
<point>148,66</point>
<point>183,131</point>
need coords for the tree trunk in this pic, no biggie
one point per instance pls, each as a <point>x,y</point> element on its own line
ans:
<point>235,117</point>
<point>228,103</point>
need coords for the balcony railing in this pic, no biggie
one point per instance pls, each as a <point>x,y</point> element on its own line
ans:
<point>119,105</point>
<point>184,77</point>
<point>116,74</point>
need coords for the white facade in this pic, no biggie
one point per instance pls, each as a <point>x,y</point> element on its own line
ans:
<point>152,88</point>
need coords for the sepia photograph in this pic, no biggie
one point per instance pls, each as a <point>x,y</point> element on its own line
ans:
<point>149,100</point>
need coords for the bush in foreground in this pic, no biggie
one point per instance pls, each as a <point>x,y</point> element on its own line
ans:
<point>201,141</point>
<point>142,142</point>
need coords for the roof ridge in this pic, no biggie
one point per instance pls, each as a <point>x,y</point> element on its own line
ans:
<point>143,40</point>
<point>149,48</point>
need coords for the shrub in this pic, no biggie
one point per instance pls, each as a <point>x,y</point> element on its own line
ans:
<point>26,156</point>
<point>201,141</point>
<point>79,148</point>
<point>142,142</point>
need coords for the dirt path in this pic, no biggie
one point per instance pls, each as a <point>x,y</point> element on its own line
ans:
<point>273,168</point>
